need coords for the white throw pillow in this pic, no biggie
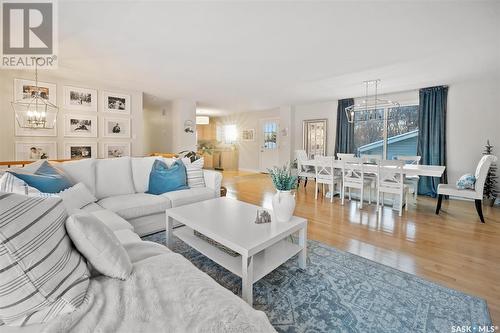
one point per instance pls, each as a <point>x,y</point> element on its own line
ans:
<point>76,197</point>
<point>194,171</point>
<point>99,245</point>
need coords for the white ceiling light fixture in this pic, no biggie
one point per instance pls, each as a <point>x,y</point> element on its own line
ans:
<point>202,120</point>
<point>35,112</point>
<point>372,107</point>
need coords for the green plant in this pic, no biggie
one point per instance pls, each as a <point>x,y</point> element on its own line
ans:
<point>282,178</point>
<point>490,183</point>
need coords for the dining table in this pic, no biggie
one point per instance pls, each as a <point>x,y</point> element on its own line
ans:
<point>409,170</point>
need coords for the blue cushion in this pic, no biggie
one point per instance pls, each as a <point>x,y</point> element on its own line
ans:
<point>467,181</point>
<point>46,179</point>
<point>163,179</point>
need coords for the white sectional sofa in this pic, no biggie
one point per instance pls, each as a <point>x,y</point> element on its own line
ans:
<point>120,184</point>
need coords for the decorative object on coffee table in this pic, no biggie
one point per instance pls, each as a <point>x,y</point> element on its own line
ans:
<point>490,192</point>
<point>262,216</point>
<point>284,199</point>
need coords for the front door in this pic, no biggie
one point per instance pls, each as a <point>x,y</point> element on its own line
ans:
<point>268,140</point>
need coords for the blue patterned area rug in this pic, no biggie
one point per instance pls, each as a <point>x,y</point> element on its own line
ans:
<point>343,292</point>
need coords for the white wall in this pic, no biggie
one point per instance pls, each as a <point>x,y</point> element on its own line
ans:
<point>158,129</point>
<point>182,111</point>
<point>7,116</point>
<point>324,110</point>
<point>473,117</point>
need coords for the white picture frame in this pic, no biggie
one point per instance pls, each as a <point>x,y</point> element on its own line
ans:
<point>22,89</point>
<point>116,127</point>
<point>115,102</point>
<point>248,134</point>
<point>115,149</point>
<point>82,99</point>
<point>80,150</point>
<point>81,126</point>
<point>32,151</point>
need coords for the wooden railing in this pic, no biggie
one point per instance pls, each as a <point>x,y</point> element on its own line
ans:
<point>9,164</point>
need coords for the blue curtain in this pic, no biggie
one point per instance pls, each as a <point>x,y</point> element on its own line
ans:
<point>344,142</point>
<point>432,135</point>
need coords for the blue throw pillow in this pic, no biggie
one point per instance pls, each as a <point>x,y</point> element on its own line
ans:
<point>467,181</point>
<point>163,179</point>
<point>46,179</point>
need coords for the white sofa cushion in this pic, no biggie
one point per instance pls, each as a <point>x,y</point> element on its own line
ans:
<point>112,220</point>
<point>138,251</point>
<point>76,197</point>
<point>114,177</point>
<point>92,207</point>
<point>81,171</point>
<point>185,197</point>
<point>130,206</point>
<point>99,245</point>
<point>127,237</point>
<point>141,168</point>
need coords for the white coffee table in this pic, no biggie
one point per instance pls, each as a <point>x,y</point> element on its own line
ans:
<point>262,247</point>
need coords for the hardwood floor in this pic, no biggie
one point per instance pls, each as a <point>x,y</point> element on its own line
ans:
<point>453,249</point>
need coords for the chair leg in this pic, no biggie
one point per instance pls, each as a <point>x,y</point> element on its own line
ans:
<point>378,200</point>
<point>332,188</point>
<point>361,201</point>
<point>349,194</point>
<point>440,200</point>
<point>343,193</point>
<point>316,191</point>
<point>401,203</point>
<point>370,195</point>
<point>479,208</point>
<point>406,200</point>
<point>305,182</point>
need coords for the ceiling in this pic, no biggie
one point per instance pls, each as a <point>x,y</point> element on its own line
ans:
<point>240,56</point>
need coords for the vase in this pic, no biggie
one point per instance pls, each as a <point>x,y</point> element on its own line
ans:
<point>283,205</point>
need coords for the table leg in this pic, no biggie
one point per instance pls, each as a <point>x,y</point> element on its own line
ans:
<point>169,230</point>
<point>303,244</point>
<point>247,279</point>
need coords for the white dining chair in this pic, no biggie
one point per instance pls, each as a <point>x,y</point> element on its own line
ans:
<point>475,194</point>
<point>341,156</point>
<point>411,181</point>
<point>353,176</point>
<point>371,158</point>
<point>303,171</point>
<point>326,175</point>
<point>391,180</point>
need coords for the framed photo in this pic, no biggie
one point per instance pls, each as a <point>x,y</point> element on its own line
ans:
<point>115,149</point>
<point>26,151</point>
<point>76,98</point>
<point>248,135</point>
<point>25,89</point>
<point>80,125</point>
<point>116,128</point>
<point>77,151</point>
<point>115,102</point>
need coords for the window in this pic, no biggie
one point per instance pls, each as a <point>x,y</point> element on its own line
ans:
<point>314,141</point>
<point>270,135</point>
<point>227,134</point>
<point>387,132</point>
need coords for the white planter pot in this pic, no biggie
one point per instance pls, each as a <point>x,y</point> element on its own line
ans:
<point>283,205</point>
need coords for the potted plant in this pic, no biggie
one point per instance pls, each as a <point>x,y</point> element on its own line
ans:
<point>490,184</point>
<point>284,200</point>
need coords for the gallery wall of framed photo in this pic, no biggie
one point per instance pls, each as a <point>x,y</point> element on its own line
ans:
<point>93,120</point>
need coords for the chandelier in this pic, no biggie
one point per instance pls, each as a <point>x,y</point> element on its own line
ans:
<point>35,111</point>
<point>372,107</point>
